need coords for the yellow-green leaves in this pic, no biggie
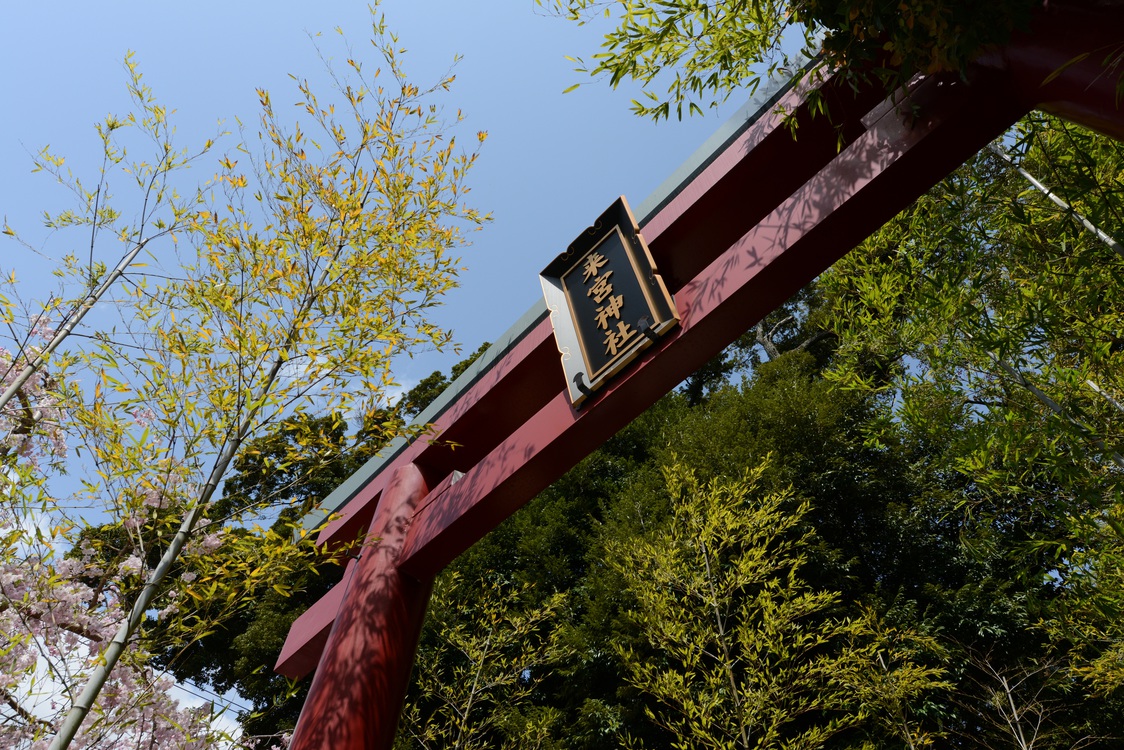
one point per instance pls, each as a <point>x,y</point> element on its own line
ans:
<point>748,654</point>
<point>308,263</point>
<point>476,677</point>
<point>312,261</point>
<point>686,55</point>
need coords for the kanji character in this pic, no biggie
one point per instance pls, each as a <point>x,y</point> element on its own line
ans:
<point>593,261</point>
<point>615,340</point>
<point>612,309</point>
<point>601,289</point>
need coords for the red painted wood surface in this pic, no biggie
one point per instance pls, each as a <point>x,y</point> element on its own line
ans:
<point>763,219</point>
<point>370,649</point>
<point>877,175</point>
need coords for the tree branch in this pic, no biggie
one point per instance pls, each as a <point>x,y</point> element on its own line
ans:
<point>22,712</point>
<point>766,341</point>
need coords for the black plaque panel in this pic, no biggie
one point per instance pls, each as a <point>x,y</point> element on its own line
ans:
<point>607,301</point>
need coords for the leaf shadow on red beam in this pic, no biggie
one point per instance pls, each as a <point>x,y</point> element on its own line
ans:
<point>876,176</point>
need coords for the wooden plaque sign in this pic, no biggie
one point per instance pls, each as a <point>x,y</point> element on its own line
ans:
<point>606,301</point>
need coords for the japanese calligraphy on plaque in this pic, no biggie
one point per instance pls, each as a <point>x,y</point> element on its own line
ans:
<point>607,302</point>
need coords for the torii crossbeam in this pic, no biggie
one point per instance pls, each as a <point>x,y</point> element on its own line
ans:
<point>739,232</point>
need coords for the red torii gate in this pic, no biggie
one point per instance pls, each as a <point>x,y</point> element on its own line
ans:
<point>744,231</point>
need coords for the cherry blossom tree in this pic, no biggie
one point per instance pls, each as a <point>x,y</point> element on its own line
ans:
<point>57,609</point>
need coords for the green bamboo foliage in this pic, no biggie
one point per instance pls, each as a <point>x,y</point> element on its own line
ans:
<point>687,56</point>
<point>488,646</point>
<point>744,654</point>
<point>991,313</point>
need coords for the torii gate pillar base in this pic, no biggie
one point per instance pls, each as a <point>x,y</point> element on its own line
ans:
<point>370,651</point>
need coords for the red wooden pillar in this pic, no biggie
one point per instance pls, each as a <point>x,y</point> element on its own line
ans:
<point>357,692</point>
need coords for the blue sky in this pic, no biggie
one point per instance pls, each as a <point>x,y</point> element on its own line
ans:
<point>551,164</point>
